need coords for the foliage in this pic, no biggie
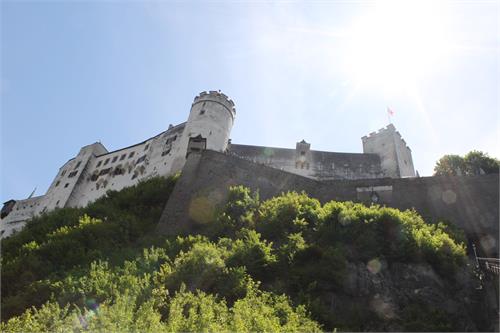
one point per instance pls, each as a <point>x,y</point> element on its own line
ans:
<point>52,244</point>
<point>473,163</point>
<point>136,297</point>
<point>262,266</point>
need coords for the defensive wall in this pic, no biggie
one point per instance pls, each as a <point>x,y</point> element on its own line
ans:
<point>471,203</point>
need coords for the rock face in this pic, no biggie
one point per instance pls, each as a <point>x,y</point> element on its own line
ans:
<point>411,297</point>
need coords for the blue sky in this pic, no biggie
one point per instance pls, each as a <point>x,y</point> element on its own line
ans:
<point>73,73</point>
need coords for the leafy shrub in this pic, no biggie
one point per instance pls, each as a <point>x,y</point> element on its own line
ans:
<point>112,278</point>
<point>288,213</point>
<point>70,238</point>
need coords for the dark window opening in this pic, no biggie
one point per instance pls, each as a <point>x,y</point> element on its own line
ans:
<point>134,176</point>
<point>106,162</point>
<point>118,171</point>
<point>66,185</point>
<point>131,155</point>
<point>57,184</point>
<point>165,152</point>
<point>146,148</point>
<point>141,159</point>
<point>77,165</point>
<point>202,112</point>
<point>94,177</point>
<point>63,173</point>
<point>104,171</point>
<point>123,157</point>
<point>98,164</point>
<point>72,174</point>
<point>114,159</point>
<point>302,153</point>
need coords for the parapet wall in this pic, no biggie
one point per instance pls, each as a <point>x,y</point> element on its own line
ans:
<point>389,129</point>
<point>471,203</point>
<point>218,97</point>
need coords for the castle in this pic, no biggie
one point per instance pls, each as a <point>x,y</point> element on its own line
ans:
<point>94,170</point>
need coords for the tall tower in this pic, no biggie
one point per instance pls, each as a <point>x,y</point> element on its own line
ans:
<point>395,155</point>
<point>210,122</point>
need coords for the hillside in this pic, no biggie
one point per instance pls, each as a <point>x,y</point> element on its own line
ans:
<point>284,264</point>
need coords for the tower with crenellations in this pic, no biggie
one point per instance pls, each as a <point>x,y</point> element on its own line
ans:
<point>395,155</point>
<point>95,170</point>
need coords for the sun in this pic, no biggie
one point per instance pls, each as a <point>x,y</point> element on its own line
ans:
<point>396,43</point>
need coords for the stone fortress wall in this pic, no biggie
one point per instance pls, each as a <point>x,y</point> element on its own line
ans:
<point>95,170</point>
<point>470,203</point>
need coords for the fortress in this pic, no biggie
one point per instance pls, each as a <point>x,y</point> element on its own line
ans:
<point>210,163</point>
<point>94,170</point>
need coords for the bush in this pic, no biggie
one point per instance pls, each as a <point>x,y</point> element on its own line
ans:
<point>101,272</point>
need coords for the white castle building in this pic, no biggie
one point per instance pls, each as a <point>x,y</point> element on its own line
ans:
<point>94,170</point>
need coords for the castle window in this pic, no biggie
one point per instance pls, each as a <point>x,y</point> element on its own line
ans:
<point>94,177</point>
<point>63,173</point>
<point>302,153</point>
<point>106,162</point>
<point>104,171</point>
<point>134,176</point>
<point>98,164</point>
<point>57,203</point>
<point>66,185</point>
<point>77,165</point>
<point>118,171</point>
<point>146,148</point>
<point>202,112</point>
<point>72,174</point>
<point>141,159</point>
<point>123,157</point>
<point>165,152</point>
<point>57,184</point>
<point>131,154</point>
<point>114,159</point>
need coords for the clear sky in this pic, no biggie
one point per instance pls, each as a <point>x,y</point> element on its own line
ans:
<point>77,72</point>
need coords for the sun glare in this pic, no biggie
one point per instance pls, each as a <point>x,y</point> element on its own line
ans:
<point>396,44</point>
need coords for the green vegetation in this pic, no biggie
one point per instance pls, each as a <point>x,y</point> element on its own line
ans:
<point>261,266</point>
<point>473,163</point>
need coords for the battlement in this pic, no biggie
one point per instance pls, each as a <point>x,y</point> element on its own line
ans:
<point>216,96</point>
<point>385,130</point>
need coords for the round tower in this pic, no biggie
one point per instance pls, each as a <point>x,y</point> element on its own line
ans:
<point>210,122</point>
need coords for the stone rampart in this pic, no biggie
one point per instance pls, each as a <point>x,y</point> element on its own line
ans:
<point>471,203</point>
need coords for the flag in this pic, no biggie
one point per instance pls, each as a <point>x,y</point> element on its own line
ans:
<point>390,112</point>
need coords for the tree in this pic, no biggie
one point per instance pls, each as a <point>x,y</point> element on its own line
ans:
<point>450,165</point>
<point>473,163</point>
<point>477,162</point>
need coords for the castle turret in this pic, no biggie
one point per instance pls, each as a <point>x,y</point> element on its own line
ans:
<point>395,155</point>
<point>210,122</point>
